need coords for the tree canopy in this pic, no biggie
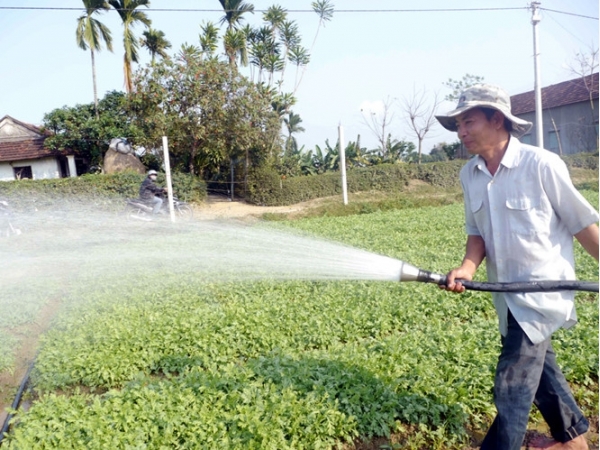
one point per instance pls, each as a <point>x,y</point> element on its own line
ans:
<point>78,129</point>
<point>210,113</point>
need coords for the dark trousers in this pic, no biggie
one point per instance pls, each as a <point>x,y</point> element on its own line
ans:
<point>527,374</point>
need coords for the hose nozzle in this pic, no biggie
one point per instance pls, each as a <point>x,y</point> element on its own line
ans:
<point>409,272</point>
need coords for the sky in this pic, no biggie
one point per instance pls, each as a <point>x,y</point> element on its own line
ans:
<point>371,53</point>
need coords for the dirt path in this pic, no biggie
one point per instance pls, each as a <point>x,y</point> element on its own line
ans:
<point>219,207</point>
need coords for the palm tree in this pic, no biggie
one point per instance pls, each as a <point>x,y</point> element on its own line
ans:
<point>234,10</point>
<point>209,38</point>
<point>155,42</point>
<point>90,34</point>
<point>234,40</point>
<point>127,9</point>
<point>292,123</point>
<point>324,9</point>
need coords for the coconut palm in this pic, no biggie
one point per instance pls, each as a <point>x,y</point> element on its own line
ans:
<point>91,33</point>
<point>155,42</point>
<point>130,16</point>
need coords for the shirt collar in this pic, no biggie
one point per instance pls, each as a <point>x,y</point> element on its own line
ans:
<point>510,158</point>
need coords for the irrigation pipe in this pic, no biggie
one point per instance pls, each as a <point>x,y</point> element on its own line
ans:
<point>16,402</point>
<point>411,273</point>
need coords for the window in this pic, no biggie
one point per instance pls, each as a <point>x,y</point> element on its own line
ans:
<point>22,172</point>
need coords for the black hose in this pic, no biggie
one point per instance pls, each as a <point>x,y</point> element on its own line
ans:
<point>530,286</point>
<point>412,273</point>
<point>15,403</point>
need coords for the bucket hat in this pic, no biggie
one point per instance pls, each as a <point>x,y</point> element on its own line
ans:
<point>484,96</point>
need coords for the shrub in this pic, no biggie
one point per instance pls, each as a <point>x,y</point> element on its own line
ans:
<point>97,188</point>
<point>267,187</point>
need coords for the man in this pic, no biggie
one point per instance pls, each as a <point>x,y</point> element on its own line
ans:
<point>521,212</point>
<point>150,192</point>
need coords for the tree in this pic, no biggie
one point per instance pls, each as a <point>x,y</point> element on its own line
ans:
<point>211,114</point>
<point>292,124</point>
<point>234,12</point>
<point>446,151</point>
<point>209,38</point>
<point>77,128</point>
<point>155,42</point>
<point>420,116</point>
<point>583,133</point>
<point>91,33</point>
<point>379,122</point>
<point>584,65</point>
<point>130,16</point>
<point>324,9</point>
<point>457,86</point>
<point>234,40</point>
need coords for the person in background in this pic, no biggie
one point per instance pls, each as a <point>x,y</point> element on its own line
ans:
<point>521,213</point>
<point>151,193</point>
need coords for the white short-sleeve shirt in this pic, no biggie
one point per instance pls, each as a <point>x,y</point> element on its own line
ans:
<point>527,214</point>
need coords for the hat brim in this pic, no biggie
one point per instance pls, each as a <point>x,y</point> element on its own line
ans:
<point>448,121</point>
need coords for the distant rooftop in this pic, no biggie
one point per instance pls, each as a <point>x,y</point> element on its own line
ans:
<point>21,141</point>
<point>565,93</point>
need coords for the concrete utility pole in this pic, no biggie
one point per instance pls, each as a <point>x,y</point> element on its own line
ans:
<point>539,124</point>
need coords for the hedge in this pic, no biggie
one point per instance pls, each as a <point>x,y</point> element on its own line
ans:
<point>99,189</point>
<point>267,188</point>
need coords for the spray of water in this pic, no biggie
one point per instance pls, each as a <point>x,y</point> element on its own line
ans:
<point>66,245</point>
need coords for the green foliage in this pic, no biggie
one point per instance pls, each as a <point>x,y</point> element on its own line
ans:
<point>93,189</point>
<point>266,187</point>
<point>210,113</point>
<point>174,361</point>
<point>77,128</point>
<point>582,160</point>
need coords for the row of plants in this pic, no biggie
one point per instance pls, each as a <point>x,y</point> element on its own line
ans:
<point>161,357</point>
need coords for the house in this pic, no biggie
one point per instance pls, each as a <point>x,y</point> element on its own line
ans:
<point>23,155</point>
<point>569,115</point>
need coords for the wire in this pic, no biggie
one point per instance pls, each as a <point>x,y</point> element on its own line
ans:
<point>360,11</point>
<point>568,13</point>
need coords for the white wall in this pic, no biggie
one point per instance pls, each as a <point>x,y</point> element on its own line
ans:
<point>40,169</point>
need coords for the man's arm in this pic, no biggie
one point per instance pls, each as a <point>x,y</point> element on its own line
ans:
<point>588,238</point>
<point>474,255</point>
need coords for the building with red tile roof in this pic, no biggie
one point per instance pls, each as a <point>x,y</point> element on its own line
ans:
<point>569,115</point>
<point>23,155</point>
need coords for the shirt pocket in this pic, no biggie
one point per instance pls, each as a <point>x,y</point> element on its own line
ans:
<point>521,214</point>
<point>478,213</point>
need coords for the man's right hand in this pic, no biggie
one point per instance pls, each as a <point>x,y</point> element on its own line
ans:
<point>452,284</point>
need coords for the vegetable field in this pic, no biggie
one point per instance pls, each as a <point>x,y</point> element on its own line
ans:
<point>173,360</point>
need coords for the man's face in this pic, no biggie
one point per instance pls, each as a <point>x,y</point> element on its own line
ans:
<point>153,177</point>
<point>476,132</point>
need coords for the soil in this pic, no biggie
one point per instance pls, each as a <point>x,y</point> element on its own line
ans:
<point>215,208</point>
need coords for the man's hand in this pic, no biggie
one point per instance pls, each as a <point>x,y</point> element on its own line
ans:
<point>456,286</point>
<point>474,255</point>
